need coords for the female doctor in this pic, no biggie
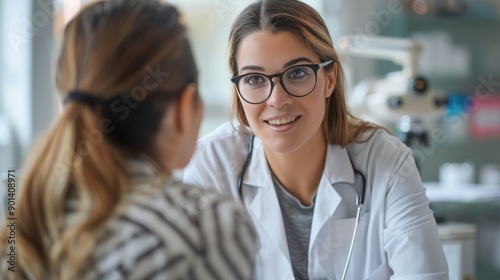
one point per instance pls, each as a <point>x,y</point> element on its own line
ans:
<point>315,180</point>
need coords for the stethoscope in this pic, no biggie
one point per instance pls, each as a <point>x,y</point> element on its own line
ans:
<point>360,197</point>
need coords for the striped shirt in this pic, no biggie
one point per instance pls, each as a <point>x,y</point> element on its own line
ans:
<point>173,231</point>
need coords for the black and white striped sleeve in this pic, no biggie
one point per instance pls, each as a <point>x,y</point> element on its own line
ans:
<point>230,240</point>
<point>182,233</point>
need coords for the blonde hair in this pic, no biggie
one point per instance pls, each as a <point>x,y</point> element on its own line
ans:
<point>340,126</point>
<point>108,50</point>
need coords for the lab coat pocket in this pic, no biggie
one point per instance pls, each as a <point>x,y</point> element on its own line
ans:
<point>382,272</point>
<point>344,230</point>
<point>332,247</point>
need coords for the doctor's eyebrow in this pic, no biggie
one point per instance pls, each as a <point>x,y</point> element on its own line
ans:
<point>286,65</point>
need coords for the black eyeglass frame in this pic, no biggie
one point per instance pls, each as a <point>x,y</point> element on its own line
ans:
<point>314,67</point>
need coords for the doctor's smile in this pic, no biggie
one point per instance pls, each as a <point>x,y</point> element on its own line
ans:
<point>282,124</point>
<point>281,120</point>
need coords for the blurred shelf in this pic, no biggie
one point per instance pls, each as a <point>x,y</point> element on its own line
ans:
<point>445,20</point>
<point>465,194</point>
<point>470,26</point>
<point>472,31</point>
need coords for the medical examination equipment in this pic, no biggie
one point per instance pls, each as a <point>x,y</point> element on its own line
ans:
<point>402,97</point>
<point>358,188</point>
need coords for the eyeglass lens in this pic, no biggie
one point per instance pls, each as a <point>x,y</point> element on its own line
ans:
<point>297,81</point>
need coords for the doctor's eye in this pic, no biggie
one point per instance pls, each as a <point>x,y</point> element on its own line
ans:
<point>298,73</point>
<point>254,80</point>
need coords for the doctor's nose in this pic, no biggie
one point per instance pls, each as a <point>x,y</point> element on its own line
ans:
<point>279,97</point>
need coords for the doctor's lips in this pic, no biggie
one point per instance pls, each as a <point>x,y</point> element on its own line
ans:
<point>282,120</point>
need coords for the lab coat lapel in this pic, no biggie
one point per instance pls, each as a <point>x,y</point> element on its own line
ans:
<point>338,169</point>
<point>327,201</point>
<point>264,205</point>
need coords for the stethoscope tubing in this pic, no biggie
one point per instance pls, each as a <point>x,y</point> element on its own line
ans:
<point>349,255</point>
<point>245,167</point>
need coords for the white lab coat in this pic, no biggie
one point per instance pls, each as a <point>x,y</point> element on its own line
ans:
<point>397,235</point>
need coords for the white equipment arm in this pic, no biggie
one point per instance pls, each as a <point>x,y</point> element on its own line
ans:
<point>403,52</point>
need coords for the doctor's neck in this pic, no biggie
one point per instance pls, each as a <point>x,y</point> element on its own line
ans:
<point>300,171</point>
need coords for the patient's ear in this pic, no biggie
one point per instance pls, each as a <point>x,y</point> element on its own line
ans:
<point>188,109</point>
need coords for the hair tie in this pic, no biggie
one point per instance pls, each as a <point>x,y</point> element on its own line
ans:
<point>82,97</point>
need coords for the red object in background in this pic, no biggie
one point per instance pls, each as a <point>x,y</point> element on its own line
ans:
<point>484,121</point>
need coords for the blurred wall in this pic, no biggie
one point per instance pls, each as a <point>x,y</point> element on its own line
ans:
<point>26,83</point>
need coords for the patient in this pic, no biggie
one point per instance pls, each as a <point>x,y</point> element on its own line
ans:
<point>97,199</point>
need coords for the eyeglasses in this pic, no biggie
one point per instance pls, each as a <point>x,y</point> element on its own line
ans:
<point>298,81</point>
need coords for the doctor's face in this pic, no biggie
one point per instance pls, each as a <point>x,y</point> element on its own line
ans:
<point>283,122</point>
